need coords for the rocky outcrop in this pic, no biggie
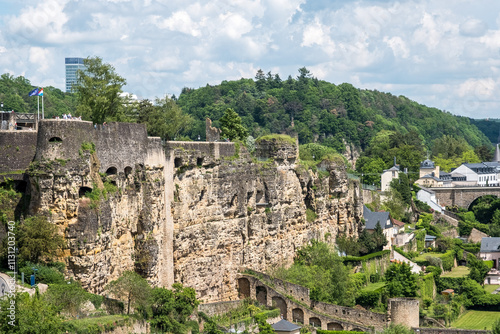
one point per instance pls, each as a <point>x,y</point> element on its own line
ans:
<point>113,218</point>
<point>240,212</point>
<point>111,223</point>
<point>190,212</point>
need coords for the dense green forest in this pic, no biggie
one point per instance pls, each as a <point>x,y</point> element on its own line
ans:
<point>320,111</point>
<point>490,127</point>
<point>14,96</point>
<point>380,125</point>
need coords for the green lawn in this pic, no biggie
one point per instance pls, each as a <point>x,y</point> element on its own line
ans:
<point>491,288</point>
<point>477,320</point>
<point>107,322</point>
<point>459,271</point>
<point>424,256</point>
<point>374,286</point>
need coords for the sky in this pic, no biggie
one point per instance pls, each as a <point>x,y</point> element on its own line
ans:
<point>441,53</point>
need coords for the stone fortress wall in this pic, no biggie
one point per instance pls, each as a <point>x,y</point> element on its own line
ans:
<point>17,149</point>
<point>207,206</point>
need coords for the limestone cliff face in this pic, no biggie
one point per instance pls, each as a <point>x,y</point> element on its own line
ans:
<point>112,221</point>
<point>234,213</point>
<point>191,212</point>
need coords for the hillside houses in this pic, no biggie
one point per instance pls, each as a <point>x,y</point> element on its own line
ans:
<point>393,229</point>
<point>482,174</point>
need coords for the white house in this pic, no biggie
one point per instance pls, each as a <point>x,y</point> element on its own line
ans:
<point>429,197</point>
<point>482,173</point>
<point>387,176</point>
<point>372,218</point>
<point>490,251</point>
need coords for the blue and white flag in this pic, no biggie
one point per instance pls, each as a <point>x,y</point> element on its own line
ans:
<point>34,92</point>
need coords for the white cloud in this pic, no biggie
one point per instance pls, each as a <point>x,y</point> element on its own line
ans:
<point>473,28</point>
<point>477,88</point>
<point>398,46</point>
<point>234,25</point>
<point>436,53</point>
<point>179,21</point>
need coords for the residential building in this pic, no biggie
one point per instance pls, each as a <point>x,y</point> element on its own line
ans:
<point>430,175</point>
<point>482,174</point>
<point>428,167</point>
<point>490,251</point>
<point>285,327</point>
<point>429,197</point>
<point>430,241</point>
<point>72,65</point>
<point>384,218</point>
<point>387,176</point>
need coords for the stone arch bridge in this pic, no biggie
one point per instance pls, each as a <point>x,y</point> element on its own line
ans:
<point>462,196</point>
<point>296,306</point>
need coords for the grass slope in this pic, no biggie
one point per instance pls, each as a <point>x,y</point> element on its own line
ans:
<point>477,320</point>
<point>491,288</point>
<point>459,271</point>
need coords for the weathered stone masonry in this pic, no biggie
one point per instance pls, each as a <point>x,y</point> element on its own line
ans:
<point>190,212</point>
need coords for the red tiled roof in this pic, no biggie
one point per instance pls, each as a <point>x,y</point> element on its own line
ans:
<point>397,222</point>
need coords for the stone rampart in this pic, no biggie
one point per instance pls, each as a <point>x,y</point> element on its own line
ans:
<point>190,152</point>
<point>17,149</point>
<point>298,292</point>
<point>301,312</point>
<point>212,309</point>
<point>118,145</point>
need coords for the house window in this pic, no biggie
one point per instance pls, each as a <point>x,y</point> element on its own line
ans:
<point>393,174</point>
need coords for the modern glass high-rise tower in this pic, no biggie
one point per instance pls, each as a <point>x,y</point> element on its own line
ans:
<point>72,65</point>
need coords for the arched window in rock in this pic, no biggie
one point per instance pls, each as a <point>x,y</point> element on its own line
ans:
<point>111,171</point>
<point>83,190</point>
<point>243,288</point>
<point>55,140</point>
<point>128,170</point>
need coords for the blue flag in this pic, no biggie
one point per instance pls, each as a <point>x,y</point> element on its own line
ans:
<point>34,92</point>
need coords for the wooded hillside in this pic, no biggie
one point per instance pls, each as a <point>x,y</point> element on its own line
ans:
<point>320,111</point>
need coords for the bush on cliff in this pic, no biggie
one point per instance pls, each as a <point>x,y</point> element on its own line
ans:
<point>38,238</point>
<point>319,267</point>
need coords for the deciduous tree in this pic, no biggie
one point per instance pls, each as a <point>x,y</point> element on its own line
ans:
<point>98,90</point>
<point>38,238</point>
<point>131,288</point>
<point>401,282</point>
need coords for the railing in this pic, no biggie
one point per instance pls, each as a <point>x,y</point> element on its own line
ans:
<point>26,118</point>
<point>369,187</point>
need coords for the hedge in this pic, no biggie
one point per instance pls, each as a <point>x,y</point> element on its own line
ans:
<point>443,283</point>
<point>486,302</point>
<point>427,286</point>
<point>369,298</point>
<point>365,257</point>
<point>447,260</point>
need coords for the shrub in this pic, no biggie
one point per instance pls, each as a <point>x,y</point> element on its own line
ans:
<point>44,274</point>
<point>368,298</point>
<point>311,215</point>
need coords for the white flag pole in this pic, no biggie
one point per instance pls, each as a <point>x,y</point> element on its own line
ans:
<point>38,98</point>
<point>43,114</point>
